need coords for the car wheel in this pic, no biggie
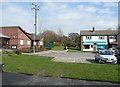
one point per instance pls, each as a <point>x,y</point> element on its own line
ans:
<point>115,62</point>
<point>100,61</point>
<point>95,59</point>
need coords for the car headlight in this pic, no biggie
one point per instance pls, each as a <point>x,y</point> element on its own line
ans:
<point>115,58</point>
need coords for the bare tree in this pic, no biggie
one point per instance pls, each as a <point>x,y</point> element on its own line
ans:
<point>60,32</point>
<point>49,36</point>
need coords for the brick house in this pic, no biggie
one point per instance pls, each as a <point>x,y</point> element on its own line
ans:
<point>91,40</point>
<point>37,40</point>
<point>18,38</point>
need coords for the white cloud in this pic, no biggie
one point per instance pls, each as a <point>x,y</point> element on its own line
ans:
<point>70,18</point>
<point>111,4</point>
<point>90,9</point>
<point>105,11</point>
<point>17,16</point>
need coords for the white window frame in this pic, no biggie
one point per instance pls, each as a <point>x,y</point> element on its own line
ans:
<point>41,43</point>
<point>21,42</point>
<point>28,42</point>
<point>34,43</point>
<point>113,37</point>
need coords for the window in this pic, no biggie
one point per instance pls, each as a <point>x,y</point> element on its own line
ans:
<point>21,42</point>
<point>112,37</point>
<point>88,37</point>
<point>28,42</point>
<point>91,46</point>
<point>41,43</point>
<point>87,46</point>
<point>34,43</point>
<point>101,37</point>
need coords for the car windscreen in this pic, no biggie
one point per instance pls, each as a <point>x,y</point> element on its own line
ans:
<point>106,53</point>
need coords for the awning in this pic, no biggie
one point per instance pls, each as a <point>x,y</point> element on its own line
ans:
<point>97,42</point>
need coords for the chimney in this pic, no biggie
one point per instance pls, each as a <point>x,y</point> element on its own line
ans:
<point>93,29</point>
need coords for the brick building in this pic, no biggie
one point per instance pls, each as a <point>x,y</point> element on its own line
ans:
<point>39,41</point>
<point>19,39</point>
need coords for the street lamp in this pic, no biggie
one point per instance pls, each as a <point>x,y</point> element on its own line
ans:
<point>36,8</point>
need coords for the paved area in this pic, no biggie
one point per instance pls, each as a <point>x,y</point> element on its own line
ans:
<point>64,56</point>
<point>0,76</point>
<point>20,79</point>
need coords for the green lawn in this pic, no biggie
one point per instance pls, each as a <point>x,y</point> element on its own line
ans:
<point>0,57</point>
<point>58,48</point>
<point>73,49</point>
<point>44,66</point>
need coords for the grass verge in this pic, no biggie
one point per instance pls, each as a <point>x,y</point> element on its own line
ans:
<point>58,48</point>
<point>43,66</point>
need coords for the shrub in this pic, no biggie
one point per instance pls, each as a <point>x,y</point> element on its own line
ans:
<point>40,49</point>
<point>18,52</point>
<point>56,44</point>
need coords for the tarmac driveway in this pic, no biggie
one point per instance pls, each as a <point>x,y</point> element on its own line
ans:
<point>63,56</point>
<point>21,79</point>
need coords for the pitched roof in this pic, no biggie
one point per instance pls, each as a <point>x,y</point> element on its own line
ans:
<point>37,37</point>
<point>4,36</point>
<point>10,27</point>
<point>99,32</point>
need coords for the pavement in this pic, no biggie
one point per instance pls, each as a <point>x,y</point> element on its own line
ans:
<point>0,76</point>
<point>21,79</point>
<point>64,56</point>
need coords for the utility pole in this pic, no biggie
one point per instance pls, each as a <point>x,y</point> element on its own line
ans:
<point>36,8</point>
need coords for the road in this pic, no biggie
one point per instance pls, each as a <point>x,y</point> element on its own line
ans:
<point>21,79</point>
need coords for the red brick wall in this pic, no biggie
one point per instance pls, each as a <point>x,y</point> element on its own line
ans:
<point>22,36</point>
<point>81,44</point>
<point>12,33</point>
<point>118,38</point>
<point>16,35</point>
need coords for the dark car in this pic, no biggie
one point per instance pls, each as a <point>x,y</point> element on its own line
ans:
<point>117,54</point>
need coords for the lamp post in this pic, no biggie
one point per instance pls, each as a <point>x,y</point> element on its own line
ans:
<point>36,8</point>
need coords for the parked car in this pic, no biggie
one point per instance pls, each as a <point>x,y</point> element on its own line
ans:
<point>117,54</point>
<point>112,49</point>
<point>105,56</point>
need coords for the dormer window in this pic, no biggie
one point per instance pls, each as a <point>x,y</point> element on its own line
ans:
<point>88,37</point>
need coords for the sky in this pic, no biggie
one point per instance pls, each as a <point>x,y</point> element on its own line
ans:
<point>70,17</point>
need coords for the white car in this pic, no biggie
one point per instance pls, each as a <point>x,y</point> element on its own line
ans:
<point>105,56</point>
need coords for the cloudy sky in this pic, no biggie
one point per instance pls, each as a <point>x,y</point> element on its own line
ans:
<point>67,16</point>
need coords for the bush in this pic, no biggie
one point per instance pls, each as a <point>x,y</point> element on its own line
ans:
<point>71,44</point>
<point>18,52</point>
<point>40,49</point>
<point>56,44</point>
